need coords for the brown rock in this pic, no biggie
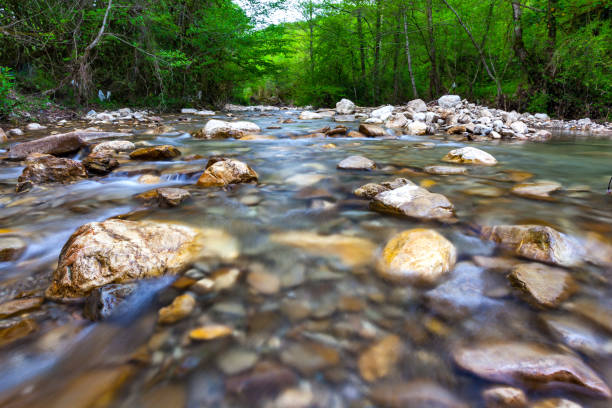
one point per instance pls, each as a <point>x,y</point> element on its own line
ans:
<point>17,306</point>
<point>540,243</point>
<point>57,144</point>
<point>457,129</point>
<point>210,332</point>
<point>543,285</point>
<point>165,197</point>
<point>354,133</point>
<point>116,251</point>
<point>371,130</point>
<point>264,381</point>
<point>413,201</point>
<point>595,310</point>
<point>11,248</point>
<point>3,137</point>
<point>414,394</point>
<point>101,162</point>
<point>418,256</point>
<point>44,168</point>
<point>338,130</point>
<point>308,358</point>
<point>164,152</point>
<point>263,282</point>
<point>17,331</point>
<point>380,358</point>
<point>555,403</point>
<point>529,365</point>
<point>180,308</point>
<point>470,155</point>
<point>504,397</point>
<point>221,171</point>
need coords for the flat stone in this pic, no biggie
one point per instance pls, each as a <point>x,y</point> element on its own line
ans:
<point>378,360</point>
<point>371,130</point>
<point>17,331</point>
<point>164,152</point>
<point>536,242</point>
<point>456,130</point>
<point>308,115</point>
<point>265,380</point>
<point>357,163</point>
<point>543,285</point>
<point>418,256</point>
<point>114,146</point>
<point>539,190</point>
<point>310,357</point>
<point>165,197</point>
<point>180,308</point>
<point>210,332</point>
<point>215,128</point>
<point>417,394</point>
<point>578,334</point>
<point>445,170</point>
<point>504,397</point>
<point>221,172</point>
<point>18,306</point>
<point>101,162</point>
<point>44,168</point>
<point>598,311</point>
<point>529,365</point>
<point>555,403</point>
<point>413,201</point>
<point>352,251</point>
<point>263,282</point>
<point>58,144</point>
<point>236,360</point>
<point>470,155</point>
<point>489,192</point>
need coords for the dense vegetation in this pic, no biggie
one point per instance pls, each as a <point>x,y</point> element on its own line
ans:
<point>536,55</point>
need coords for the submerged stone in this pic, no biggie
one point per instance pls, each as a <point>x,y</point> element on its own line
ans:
<point>470,155</point>
<point>357,163</point>
<point>543,285</point>
<point>415,202</point>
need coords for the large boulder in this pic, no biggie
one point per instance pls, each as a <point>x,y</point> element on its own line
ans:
<point>413,201</point>
<point>470,155</point>
<point>449,101</point>
<point>519,127</point>
<point>529,365</point>
<point>58,144</point>
<point>345,107</point>
<point>417,128</point>
<point>418,256</point>
<point>221,171</point>
<point>116,251</point>
<point>44,168</point>
<point>417,105</point>
<point>357,163</point>
<point>163,152</point>
<point>540,243</point>
<point>382,113</point>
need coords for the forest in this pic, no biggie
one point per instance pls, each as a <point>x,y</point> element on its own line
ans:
<point>531,55</point>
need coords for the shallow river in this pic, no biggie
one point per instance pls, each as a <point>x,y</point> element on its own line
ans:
<point>301,344</point>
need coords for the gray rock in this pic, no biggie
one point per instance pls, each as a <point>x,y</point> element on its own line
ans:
<point>357,163</point>
<point>345,107</point>
<point>449,101</point>
<point>413,201</point>
<point>417,105</point>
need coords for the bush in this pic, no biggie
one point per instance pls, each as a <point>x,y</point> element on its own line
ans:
<point>7,83</point>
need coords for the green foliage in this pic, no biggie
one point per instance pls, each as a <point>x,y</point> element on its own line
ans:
<point>7,83</point>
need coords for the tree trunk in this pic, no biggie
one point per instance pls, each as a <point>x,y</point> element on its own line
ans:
<point>377,46</point>
<point>519,45</point>
<point>434,72</point>
<point>408,56</point>
<point>311,38</point>
<point>396,41</point>
<point>361,43</point>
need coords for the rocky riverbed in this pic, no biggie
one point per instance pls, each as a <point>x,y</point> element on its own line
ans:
<point>426,255</point>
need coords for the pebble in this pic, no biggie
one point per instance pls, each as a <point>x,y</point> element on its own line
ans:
<point>210,332</point>
<point>181,307</point>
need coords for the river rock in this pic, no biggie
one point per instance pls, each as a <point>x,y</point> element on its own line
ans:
<point>449,101</point>
<point>344,118</point>
<point>417,128</point>
<point>519,127</point>
<point>382,113</point>
<point>35,126</point>
<point>397,120</point>
<point>165,197</point>
<point>116,251</point>
<point>413,201</point>
<point>470,155</point>
<point>357,163</point>
<point>539,190</point>
<point>578,334</point>
<point>529,365</point>
<point>308,115</point>
<point>58,144</point>
<point>371,130</point>
<point>370,190</point>
<point>345,107</point>
<point>504,397</point>
<point>445,170</point>
<point>598,311</point>
<point>44,168</point>
<point>263,381</point>
<point>101,162</point>
<point>374,121</point>
<point>3,137</point>
<point>15,132</point>
<point>215,128</point>
<point>555,403</point>
<point>353,251</point>
<point>378,360</point>
<point>221,172</point>
<point>418,256</point>
<point>104,301</point>
<point>543,285</point>
<point>18,306</point>
<point>417,394</point>
<point>263,282</point>
<point>17,331</point>
<point>236,361</point>
<point>163,152</point>
<point>114,146</point>
<point>310,357</point>
<point>180,308</point>
<point>417,105</point>
<point>11,248</point>
<point>540,243</point>
<point>210,332</point>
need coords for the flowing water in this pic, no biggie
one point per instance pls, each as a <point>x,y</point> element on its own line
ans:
<point>325,302</point>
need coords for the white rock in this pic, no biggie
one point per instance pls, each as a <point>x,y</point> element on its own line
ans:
<point>417,128</point>
<point>35,126</point>
<point>542,116</point>
<point>382,113</point>
<point>449,101</point>
<point>519,127</point>
<point>470,155</point>
<point>105,116</point>
<point>430,117</point>
<point>92,113</point>
<point>215,127</point>
<point>417,105</point>
<point>189,110</point>
<point>345,107</point>
<point>205,113</point>
<point>308,115</point>
<point>374,121</point>
<point>114,145</point>
<point>396,121</point>
<point>15,132</point>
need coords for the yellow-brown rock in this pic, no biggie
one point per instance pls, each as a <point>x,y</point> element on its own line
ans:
<point>180,308</point>
<point>221,171</point>
<point>380,358</point>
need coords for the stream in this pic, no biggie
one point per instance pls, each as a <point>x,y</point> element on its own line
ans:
<point>301,344</point>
